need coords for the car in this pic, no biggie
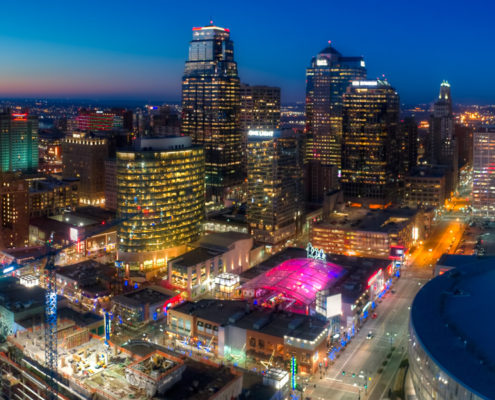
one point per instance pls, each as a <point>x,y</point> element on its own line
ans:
<point>373,316</point>
<point>369,335</point>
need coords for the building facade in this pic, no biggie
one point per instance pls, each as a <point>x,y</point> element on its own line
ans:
<point>14,212</point>
<point>51,196</point>
<point>210,107</point>
<point>84,158</point>
<point>97,120</point>
<point>483,173</point>
<point>370,147</point>
<point>327,79</point>
<point>274,186</point>
<point>160,196</point>
<point>425,187</point>
<point>18,141</point>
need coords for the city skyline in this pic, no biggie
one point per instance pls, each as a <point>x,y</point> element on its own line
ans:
<point>139,52</point>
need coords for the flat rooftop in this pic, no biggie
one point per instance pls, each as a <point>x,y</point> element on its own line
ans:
<point>23,254</point>
<point>221,241</point>
<point>147,295</point>
<point>447,316</point>
<point>362,219</point>
<point>18,298</point>
<point>194,257</point>
<point>242,315</point>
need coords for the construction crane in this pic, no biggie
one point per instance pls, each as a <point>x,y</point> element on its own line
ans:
<point>50,254</point>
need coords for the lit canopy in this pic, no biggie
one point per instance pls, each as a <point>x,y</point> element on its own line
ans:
<point>300,279</point>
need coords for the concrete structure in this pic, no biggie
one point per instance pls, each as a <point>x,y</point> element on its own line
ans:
<point>452,354</point>
<point>365,233</point>
<point>425,187</point>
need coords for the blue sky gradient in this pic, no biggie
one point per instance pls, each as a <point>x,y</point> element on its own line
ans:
<point>136,49</point>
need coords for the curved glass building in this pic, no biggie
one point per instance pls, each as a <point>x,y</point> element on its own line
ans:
<point>160,196</point>
<point>451,350</point>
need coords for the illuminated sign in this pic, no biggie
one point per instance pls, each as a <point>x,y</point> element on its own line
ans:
<point>415,233</point>
<point>293,372</point>
<point>8,269</point>
<point>362,63</point>
<point>364,83</point>
<point>322,62</point>
<point>373,278</point>
<point>19,116</point>
<point>260,133</point>
<point>73,234</point>
<point>315,253</point>
<point>396,252</point>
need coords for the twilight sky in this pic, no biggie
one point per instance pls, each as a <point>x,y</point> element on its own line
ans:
<point>136,49</point>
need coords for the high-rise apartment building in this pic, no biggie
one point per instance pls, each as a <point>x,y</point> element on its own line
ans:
<point>408,145</point>
<point>210,107</point>
<point>84,158</point>
<point>18,141</point>
<point>161,197</point>
<point>370,143</point>
<point>274,177</point>
<point>260,110</point>
<point>14,213</point>
<point>484,173</point>
<point>327,79</point>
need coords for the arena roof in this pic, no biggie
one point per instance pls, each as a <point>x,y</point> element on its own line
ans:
<point>300,278</point>
<point>452,319</point>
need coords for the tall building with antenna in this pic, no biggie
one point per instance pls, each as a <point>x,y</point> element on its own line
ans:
<point>210,107</point>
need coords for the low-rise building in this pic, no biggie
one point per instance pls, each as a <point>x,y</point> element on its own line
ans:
<point>239,331</point>
<point>135,309</point>
<point>195,270</point>
<point>368,233</point>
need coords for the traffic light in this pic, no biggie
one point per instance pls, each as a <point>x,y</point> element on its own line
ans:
<point>366,386</point>
<point>343,373</point>
<point>353,375</point>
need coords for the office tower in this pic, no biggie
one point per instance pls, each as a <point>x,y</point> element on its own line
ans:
<point>369,146</point>
<point>84,158</point>
<point>161,197</point>
<point>210,107</point>
<point>483,173</point>
<point>14,213</point>
<point>49,195</point>
<point>260,110</point>
<point>327,79</point>
<point>127,117</point>
<point>50,152</point>
<point>97,120</point>
<point>274,178</point>
<point>443,145</point>
<point>464,138</point>
<point>18,141</point>
<point>408,145</point>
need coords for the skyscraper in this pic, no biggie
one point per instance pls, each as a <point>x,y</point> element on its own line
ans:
<point>14,210</point>
<point>210,106</point>
<point>274,177</point>
<point>484,173</point>
<point>260,110</point>
<point>443,145</point>
<point>18,141</point>
<point>160,188</point>
<point>327,79</point>
<point>370,143</point>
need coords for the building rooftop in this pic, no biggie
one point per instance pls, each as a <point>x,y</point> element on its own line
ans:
<point>221,240</point>
<point>447,316</point>
<point>241,314</point>
<point>147,295</point>
<point>194,257</point>
<point>18,298</point>
<point>361,219</point>
<point>22,254</point>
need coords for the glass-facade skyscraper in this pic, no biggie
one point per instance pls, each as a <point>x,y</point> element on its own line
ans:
<point>210,106</point>
<point>274,177</point>
<point>18,142</point>
<point>327,79</point>
<point>370,145</point>
<point>483,173</point>
<point>161,197</point>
